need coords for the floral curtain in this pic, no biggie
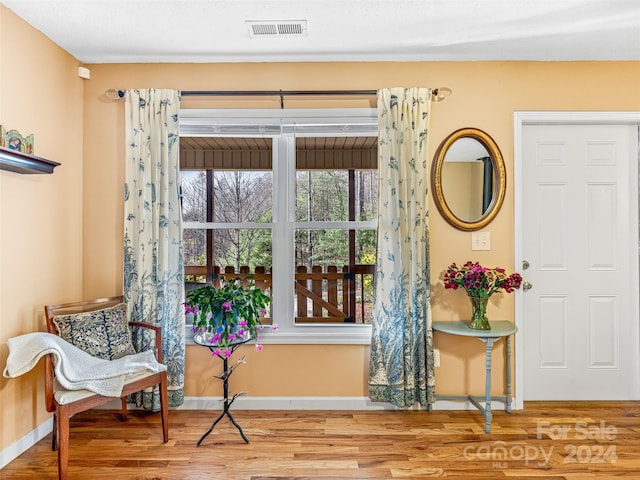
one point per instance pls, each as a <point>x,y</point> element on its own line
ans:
<point>401,365</point>
<point>153,262</point>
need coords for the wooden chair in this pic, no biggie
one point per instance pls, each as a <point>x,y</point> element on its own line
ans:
<point>65,403</point>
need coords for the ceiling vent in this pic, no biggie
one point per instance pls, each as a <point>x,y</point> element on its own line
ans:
<point>277,28</point>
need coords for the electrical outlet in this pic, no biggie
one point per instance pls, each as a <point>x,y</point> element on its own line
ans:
<point>436,357</point>
<point>481,241</point>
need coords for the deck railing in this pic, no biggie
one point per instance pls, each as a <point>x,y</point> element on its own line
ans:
<point>323,295</point>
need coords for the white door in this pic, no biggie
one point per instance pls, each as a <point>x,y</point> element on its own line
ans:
<point>580,326</point>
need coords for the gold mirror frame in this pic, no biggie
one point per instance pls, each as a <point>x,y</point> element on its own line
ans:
<point>500,177</point>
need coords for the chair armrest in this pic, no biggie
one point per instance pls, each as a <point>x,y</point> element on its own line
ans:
<point>158,332</point>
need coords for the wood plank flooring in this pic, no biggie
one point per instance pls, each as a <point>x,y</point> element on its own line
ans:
<point>546,440</point>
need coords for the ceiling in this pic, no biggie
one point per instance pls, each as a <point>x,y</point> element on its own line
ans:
<point>152,31</point>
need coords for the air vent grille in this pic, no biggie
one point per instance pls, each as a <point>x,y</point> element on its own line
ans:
<point>277,28</point>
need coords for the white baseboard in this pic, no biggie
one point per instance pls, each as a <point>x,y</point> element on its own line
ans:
<point>317,403</point>
<point>286,403</point>
<point>305,403</point>
<point>274,403</point>
<point>496,405</point>
<point>20,446</point>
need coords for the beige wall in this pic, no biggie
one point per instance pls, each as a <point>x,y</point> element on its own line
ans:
<point>48,221</point>
<point>485,95</point>
<point>40,215</point>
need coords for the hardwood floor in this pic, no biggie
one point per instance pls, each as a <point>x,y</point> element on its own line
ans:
<point>550,440</point>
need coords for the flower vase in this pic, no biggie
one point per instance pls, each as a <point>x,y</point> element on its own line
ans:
<point>479,320</point>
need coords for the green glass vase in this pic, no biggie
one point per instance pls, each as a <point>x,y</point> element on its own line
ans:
<point>479,320</point>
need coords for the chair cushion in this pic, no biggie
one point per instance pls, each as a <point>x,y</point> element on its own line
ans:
<point>102,333</point>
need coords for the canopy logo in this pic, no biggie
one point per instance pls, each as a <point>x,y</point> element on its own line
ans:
<point>594,449</point>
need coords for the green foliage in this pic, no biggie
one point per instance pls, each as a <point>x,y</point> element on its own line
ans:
<point>229,312</point>
<point>367,241</point>
<point>245,196</point>
<point>368,258</point>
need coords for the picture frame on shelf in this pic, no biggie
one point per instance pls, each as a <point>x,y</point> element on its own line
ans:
<point>14,140</point>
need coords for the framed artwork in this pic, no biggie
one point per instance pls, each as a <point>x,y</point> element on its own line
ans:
<point>13,140</point>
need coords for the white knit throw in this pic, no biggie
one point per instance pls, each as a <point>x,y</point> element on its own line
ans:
<point>74,368</point>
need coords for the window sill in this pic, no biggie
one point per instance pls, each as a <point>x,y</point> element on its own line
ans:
<point>310,335</point>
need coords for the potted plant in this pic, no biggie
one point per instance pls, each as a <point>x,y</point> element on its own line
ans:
<point>480,283</point>
<point>227,314</point>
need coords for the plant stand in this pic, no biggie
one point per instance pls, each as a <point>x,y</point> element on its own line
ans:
<point>224,376</point>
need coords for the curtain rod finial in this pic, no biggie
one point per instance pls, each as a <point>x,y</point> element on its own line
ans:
<point>440,93</point>
<point>113,94</point>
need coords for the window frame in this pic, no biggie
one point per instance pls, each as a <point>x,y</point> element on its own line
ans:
<point>282,126</point>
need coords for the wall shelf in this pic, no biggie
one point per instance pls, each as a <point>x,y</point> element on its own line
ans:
<point>19,162</point>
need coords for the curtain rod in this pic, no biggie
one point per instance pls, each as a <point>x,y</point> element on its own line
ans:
<point>274,93</point>
<point>437,94</point>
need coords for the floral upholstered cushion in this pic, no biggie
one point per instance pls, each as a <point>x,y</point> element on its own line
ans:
<point>102,333</point>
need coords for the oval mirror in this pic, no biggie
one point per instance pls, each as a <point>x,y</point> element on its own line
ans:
<point>468,179</point>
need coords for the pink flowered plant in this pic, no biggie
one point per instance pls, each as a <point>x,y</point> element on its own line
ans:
<point>229,312</point>
<point>480,281</point>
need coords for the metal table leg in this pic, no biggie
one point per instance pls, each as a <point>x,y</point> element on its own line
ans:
<point>226,373</point>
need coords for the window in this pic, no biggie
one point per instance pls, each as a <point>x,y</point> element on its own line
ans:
<point>227,193</point>
<point>288,197</point>
<point>336,188</point>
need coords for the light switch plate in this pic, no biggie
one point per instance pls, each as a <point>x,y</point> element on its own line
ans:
<point>480,241</point>
<point>436,357</point>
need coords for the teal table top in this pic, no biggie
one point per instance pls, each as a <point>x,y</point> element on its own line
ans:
<point>499,328</point>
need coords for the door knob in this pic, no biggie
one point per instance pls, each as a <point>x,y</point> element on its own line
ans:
<point>525,264</point>
<point>526,285</point>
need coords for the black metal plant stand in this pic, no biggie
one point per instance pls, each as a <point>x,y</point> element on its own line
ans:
<point>226,373</point>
